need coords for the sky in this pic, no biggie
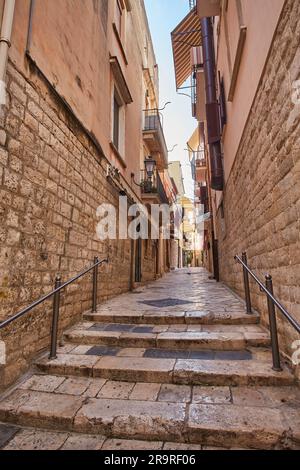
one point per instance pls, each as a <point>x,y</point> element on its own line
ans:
<point>179,125</point>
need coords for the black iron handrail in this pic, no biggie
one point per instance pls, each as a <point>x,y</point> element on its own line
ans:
<point>56,294</point>
<point>272,302</point>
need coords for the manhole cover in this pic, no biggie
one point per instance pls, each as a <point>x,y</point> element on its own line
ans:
<point>165,302</point>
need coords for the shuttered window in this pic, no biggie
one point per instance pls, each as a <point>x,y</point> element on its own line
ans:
<point>116,123</point>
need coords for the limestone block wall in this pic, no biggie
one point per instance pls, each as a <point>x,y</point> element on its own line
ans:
<point>52,179</point>
<point>262,196</point>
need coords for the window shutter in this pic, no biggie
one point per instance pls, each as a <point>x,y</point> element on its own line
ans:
<point>116,129</point>
<point>222,102</point>
<point>213,122</point>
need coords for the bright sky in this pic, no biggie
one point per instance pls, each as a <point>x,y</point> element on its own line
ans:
<point>164,16</point>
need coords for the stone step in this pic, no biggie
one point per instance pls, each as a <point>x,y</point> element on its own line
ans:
<point>13,438</point>
<point>177,371</point>
<point>207,417</point>
<point>172,317</point>
<point>156,337</point>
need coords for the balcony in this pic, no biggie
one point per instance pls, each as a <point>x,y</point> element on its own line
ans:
<point>153,189</point>
<point>199,166</point>
<point>154,138</point>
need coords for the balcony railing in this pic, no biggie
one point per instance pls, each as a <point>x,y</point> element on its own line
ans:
<point>153,185</point>
<point>200,163</point>
<point>198,159</point>
<point>152,120</point>
<point>152,123</point>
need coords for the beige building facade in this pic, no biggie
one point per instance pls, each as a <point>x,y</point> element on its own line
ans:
<point>80,119</point>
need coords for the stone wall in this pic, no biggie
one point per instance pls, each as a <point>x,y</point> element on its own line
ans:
<point>52,179</point>
<point>262,196</point>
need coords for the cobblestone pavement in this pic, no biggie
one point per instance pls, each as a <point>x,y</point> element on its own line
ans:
<point>175,365</point>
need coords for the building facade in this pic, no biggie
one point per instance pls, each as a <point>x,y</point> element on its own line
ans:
<point>243,62</point>
<point>78,122</point>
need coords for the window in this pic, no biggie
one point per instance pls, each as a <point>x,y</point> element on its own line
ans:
<point>116,122</point>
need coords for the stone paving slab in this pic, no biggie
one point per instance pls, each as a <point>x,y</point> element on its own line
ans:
<point>229,373</point>
<point>40,439</point>
<point>175,317</point>
<point>178,371</point>
<point>42,409</point>
<point>138,419</point>
<point>137,370</point>
<point>225,340</point>
<point>126,444</point>
<point>33,439</point>
<point>236,426</point>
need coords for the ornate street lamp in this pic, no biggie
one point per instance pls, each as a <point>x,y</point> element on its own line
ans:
<point>147,183</point>
<point>150,164</point>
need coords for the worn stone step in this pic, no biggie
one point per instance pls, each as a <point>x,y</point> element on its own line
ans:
<point>13,438</point>
<point>172,317</point>
<point>211,424</point>
<point>177,371</point>
<point>147,337</point>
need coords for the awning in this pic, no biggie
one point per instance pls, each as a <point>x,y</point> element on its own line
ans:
<point>185,36</point>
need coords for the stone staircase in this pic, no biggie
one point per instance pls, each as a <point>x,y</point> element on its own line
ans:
<point>178,365</point>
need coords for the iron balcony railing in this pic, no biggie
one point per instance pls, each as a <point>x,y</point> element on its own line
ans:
<point>198,159</point>
<point>272,304</point>
<point>153,122</point>
<point>201,163</point>
<point>55,293</point>
<point>153,185</point>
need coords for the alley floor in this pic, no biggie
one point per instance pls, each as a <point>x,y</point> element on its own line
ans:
<point>176,364</point>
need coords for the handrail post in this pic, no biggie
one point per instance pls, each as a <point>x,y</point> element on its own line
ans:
<point>55,317</point>
<point>246,284</point>
<point>273,326</point>
<point>95,284</point>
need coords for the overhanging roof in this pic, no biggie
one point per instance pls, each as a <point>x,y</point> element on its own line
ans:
<point>185,36</point>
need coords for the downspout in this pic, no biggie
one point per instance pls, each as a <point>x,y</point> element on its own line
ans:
<point>6,30</point>
<point>212,106</point>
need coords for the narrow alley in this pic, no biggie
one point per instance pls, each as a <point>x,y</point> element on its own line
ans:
<point>149,228</point>
<point>174,365</point>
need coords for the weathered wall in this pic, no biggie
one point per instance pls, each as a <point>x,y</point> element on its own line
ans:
<point>53,170</point>
<point>262,196</point>
<point>52,179</point>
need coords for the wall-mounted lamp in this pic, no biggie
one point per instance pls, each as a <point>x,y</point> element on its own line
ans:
<point>150,165</point>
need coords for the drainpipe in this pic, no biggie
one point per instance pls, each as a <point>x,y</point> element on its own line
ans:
<point>212,106</point>
<point>6,30</point>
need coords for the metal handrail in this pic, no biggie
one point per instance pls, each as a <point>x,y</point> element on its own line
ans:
<point>287,315</point>
<point>272,302</point>
<point>56,294</point>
